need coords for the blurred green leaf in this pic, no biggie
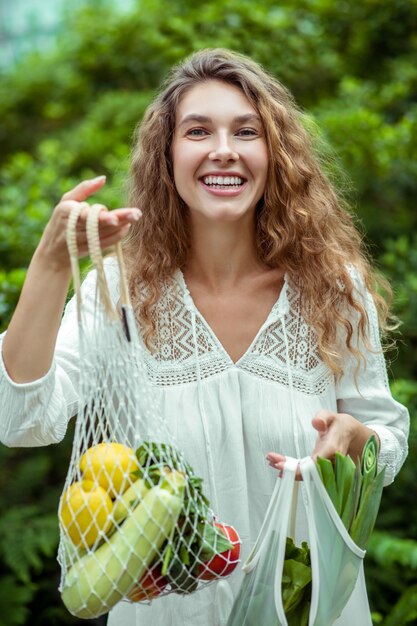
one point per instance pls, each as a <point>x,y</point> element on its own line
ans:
<point>70,113</point>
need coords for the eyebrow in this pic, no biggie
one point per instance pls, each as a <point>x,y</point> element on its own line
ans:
<point>240,119</point>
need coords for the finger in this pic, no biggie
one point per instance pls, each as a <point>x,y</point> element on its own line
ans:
<point>111,231</point>
<point>280,468</point>
<point>106,241</point>
<point>319,424</point>
<point>274,459</point>
<point>324,414</point>
<point>129,215</point>
<point>105,216</point>
<point>329,455</point>
<point>322,420</point>
<point>326,451</point>
<point>111,239</point>
<point>82,220</point>
<point>84,189</point>
<point>109,220</point>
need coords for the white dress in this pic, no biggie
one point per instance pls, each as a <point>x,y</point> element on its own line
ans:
<point>225,417</point>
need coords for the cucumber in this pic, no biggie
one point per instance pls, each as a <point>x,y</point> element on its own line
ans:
<point>100,579</point>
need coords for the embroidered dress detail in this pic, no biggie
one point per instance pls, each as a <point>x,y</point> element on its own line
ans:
<point>173,360</point>
<point>268,358</point>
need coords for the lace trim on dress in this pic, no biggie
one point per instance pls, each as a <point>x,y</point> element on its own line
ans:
<point>172,362</point>
<point>268,359</point>
<point>314,385</point>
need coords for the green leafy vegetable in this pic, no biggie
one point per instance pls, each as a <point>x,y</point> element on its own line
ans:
<point>195,539</point>
<point>364,522</point>
<point>355,491</point>
<point>329,480</point>
<point>345,481</point>
<point>296,581</point>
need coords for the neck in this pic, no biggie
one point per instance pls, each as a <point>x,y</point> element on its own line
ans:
<point>223,254</point>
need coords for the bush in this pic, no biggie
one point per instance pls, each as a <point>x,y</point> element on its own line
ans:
<point>70,114</point>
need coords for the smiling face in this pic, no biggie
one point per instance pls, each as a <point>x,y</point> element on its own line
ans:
<point>219,151</point>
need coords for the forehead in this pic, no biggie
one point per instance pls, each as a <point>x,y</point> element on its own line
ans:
<point>214,98</point>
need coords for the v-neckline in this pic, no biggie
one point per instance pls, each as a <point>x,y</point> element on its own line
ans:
<point>278,308</point>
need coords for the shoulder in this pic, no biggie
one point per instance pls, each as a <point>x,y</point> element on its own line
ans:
<point>360,291</point>
<point>356,276</point>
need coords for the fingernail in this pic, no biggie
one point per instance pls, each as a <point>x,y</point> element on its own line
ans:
<point>98,178</point>
<point>135,215</point>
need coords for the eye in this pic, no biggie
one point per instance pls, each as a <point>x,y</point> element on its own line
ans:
<point>196,132</point>
<point>247,132</point>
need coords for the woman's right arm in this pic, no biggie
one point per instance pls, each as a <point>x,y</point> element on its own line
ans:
<point>29,344</point>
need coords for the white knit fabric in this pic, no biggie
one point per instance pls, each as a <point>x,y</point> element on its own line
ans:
<point>225,417</point>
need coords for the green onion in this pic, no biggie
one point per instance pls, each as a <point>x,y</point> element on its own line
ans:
<point>355,491</point>
<point>369,462</point>
<point>345,482</point>
<point>364,522</point>
<point>328,478</point>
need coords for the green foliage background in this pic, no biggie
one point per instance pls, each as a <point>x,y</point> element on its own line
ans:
<point>71,113</point>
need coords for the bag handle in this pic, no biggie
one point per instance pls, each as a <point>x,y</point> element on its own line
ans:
<point>73,254</point>
<point>309,472</point>
<point>313,486</point>
<point>280,511</point>
<point>277,514</point>
<point>96,255</point>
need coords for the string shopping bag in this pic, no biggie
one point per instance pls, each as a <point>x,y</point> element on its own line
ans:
<point>134,521</point>
<point>307,585</point>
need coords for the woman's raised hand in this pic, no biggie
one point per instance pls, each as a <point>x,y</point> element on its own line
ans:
<point>29,344</point>
<point>113,225</point>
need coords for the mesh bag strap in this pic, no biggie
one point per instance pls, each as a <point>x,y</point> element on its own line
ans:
<point>71,236</point>
<point>96,255</point>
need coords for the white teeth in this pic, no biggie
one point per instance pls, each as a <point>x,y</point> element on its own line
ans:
<point>223,180</point>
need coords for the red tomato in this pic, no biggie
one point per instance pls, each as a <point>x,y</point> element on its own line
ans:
<point>224,563</point>
<point>150,585</point>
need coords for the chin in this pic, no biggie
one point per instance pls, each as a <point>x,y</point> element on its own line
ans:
<point>227,216</point>
<point>226,213</point>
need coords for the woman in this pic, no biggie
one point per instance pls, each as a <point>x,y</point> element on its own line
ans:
<point>253,294</point>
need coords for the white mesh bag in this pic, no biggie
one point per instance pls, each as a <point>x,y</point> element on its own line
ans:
<point>134,521</point>
<point>326,572</point>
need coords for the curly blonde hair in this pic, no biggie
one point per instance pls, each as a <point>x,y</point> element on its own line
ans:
<point>303,225</point>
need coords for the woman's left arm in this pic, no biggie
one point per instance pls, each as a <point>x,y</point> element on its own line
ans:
<point>365,406</point>
<point>365,403</point>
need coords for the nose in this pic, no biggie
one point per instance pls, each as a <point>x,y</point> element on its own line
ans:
<point>223,150</point>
